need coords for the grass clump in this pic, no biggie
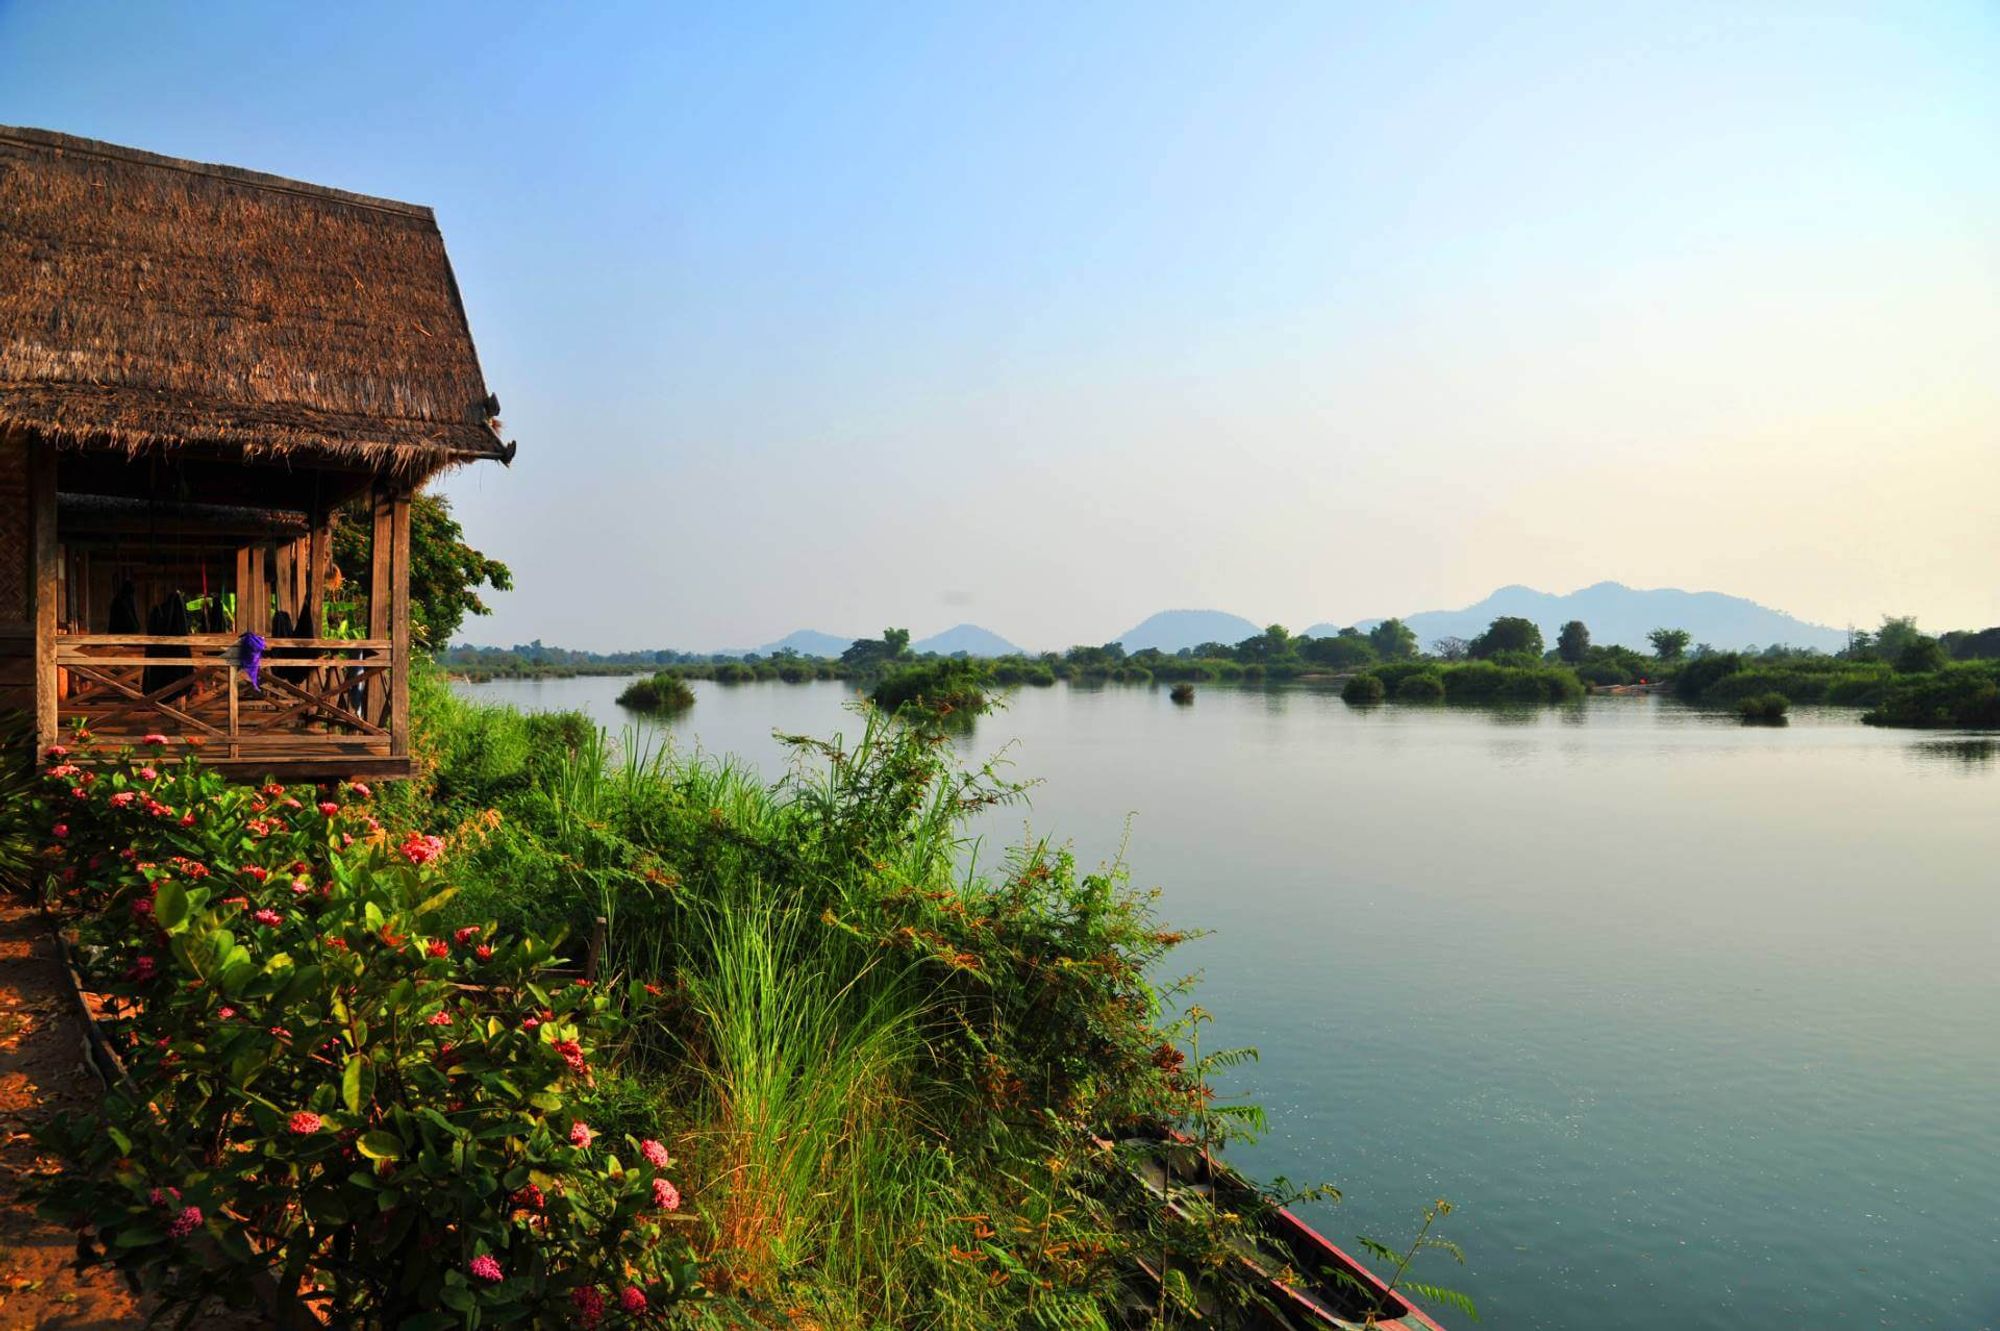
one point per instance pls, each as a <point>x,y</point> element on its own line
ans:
<point>663,692</point>
<point>1763,709</point>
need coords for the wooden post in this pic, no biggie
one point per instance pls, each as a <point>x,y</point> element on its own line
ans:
<point>399,630</point>
<point>235,733</point>
<point>381,581</point>
<point>44,585</point>
<point>288,581</point>
<point>319,556</point>
<point>256,616</point>
<point>243,588</point>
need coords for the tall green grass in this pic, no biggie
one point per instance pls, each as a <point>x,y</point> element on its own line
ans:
<point>870,1054</point>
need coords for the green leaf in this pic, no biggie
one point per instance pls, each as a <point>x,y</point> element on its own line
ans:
<point>436,900</point>
<point>170,907</point>
<point>380,1146</point>
<point>357,1083</point>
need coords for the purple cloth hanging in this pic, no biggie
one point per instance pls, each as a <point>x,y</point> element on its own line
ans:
<point>250,648</point>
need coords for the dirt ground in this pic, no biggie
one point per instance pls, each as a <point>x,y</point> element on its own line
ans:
<point>42,1072</point>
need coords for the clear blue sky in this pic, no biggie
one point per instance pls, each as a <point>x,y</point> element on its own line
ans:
<point>1048,317</point>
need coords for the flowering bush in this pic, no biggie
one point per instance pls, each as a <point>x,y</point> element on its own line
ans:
<point>326,1088</point>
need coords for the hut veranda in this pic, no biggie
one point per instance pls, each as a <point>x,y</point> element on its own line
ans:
<point>202,370</point>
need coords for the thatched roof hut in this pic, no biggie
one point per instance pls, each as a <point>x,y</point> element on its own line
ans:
<point>148,302</point>
<point>199,366</point>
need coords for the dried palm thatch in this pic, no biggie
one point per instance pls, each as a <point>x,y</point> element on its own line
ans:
<point>151,303</point>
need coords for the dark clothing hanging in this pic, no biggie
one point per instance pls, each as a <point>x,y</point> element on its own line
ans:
<point>125,611</point>
<point>168,619</point>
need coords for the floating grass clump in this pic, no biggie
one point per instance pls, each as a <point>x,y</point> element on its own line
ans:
<point>1182,693</point>
<point>663,692</point>
<point>1766,709</point>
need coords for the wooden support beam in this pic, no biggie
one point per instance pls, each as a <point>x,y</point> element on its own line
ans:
<point>399,630</point>
<point>381,581</point>
<point>253,600</point>
<point>319,559</point>
<point>288,581</point>
<point>45,584</point>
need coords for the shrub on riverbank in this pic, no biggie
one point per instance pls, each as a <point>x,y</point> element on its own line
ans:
<point>1965,695</point>
<point>663,692</point>
<point>1465,682</point>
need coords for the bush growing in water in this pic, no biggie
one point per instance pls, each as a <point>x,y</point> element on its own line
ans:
<point>329,1085</point>
<point>1764,708</point>
<point>1963,695</point>
<point>945,687</point>
<point>1422,687</point>
<point>663,692</point>
<point>1182,692</point>
<point>1364,689</point>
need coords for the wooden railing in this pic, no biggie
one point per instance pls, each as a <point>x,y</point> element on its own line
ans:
<point>316,698</point>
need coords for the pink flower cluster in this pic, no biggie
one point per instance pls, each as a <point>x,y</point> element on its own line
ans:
<point>666,1196</point>
<point>420,850</point>
<point>268,917</point>
<point>186,1223</point>
<point>304,1123</point>
<point>656,1154</point>
<point>580,1136</point>
<point>486,1269</point>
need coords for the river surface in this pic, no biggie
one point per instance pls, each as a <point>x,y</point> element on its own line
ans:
<point>1696,1024</point>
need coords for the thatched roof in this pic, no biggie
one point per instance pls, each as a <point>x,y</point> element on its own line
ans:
<point>148,302</point>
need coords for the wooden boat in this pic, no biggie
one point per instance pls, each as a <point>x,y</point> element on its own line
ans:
<point>1322,1285</point>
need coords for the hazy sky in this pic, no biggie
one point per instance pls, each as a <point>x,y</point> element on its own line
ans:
<point>1048,317</point>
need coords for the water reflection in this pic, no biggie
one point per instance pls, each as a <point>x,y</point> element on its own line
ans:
<point>1965,754</point>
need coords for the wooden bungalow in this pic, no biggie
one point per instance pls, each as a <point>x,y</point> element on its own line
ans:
<point>202,371</point>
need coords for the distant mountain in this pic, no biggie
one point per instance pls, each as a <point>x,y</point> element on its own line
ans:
<point>1325,630</point>
<point>968,638</point>
<point>1171,630</point>
<point>807,642</point>
<point>1615,613</point>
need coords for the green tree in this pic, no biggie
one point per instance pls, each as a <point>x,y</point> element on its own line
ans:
<point>1341,652</point>
<point>1269,645</point>
<point>1573,642</point>
<point>866,653</point>
<point>1669,644</point>
<point>1895,636</point>
<point>1508,633</point>
<point>1920,656</point>
<point>446,573</point>
<point>1393,640</point>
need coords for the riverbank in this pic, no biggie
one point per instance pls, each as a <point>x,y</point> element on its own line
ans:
<point>867,1078</point>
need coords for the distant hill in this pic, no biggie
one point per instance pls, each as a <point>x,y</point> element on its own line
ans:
<point>968,638</point>
<point>1616,613</point>
<point>808,642</point>
<point>1171,630</point>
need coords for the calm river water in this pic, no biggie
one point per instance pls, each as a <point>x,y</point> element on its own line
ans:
<point>1697,1024</point>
